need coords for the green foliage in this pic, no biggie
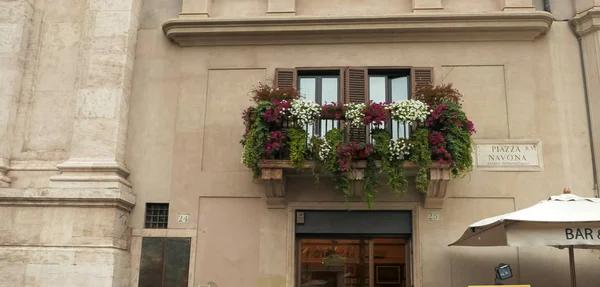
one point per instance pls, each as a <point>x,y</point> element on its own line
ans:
<point>446,138</point>
<point>456,129</point>
<point>254,140</point>
<point>393,167</point>
<point>341,178</point>
<point>459,144</point>
<point>371,183</point>
<point>297,143</point>
<point>421,156</point>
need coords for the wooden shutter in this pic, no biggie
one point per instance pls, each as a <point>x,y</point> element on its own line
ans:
<point>356,89</point>
<point>285,78</point>
<point>421,76</point>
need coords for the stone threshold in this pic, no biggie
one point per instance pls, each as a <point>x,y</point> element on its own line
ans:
<point>429,27</point>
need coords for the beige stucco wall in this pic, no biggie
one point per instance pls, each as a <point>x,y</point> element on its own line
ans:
<point>185,116</point>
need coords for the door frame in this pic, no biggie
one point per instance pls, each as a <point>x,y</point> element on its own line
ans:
<point>394,206</point>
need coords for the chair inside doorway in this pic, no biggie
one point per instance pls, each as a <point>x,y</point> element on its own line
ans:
<point>353,262</point>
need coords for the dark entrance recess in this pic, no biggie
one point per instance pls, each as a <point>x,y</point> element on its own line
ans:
<point>164,262</point>
<point>353,248</point>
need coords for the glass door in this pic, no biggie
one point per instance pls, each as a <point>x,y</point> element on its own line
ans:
<point>343,262</point>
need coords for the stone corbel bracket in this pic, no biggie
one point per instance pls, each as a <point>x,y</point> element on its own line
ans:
<point>438,183</point>
<point>274,182</point>
<point>587,22</point>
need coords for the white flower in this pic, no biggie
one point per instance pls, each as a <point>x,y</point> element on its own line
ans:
<point>304,112</point>
<point>409,111</point>
<point>354,114</point>
<point>324,151</point>
<point>399,149</point>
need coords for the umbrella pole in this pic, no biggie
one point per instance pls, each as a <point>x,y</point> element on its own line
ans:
<point>572,265</point>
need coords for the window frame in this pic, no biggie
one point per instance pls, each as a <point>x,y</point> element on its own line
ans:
<point>320,73</point>
<point>319,85</point>
<point>414,265</point>
<point>390,74</point>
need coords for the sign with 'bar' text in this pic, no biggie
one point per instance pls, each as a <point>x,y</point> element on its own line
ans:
<point>553,234</point>
<point>508,155</point>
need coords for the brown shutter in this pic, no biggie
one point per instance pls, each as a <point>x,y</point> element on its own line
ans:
<point>342,86</point>
<point>421,76</point>
<point>356,89</point>
<point>285,78</point>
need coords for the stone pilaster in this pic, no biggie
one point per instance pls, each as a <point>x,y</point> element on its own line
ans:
<point>99,134</point>
<point>587,27</point>
<point>15,27</point>
<point>281,7</point>
<point>427,5</point>
<point>518,5</point>
<point>196,8</point>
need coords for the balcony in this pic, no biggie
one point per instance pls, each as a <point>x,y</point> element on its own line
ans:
<point>274,171</point>
<point>353,143</point>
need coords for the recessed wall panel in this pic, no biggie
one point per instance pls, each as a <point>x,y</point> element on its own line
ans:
<point>227,97</point>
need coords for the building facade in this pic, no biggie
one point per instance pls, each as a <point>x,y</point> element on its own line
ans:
<point>120,139</point>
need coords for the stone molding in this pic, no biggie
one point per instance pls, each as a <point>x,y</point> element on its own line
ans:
<point>91,173</point>
<point>4,168</point>
<point>587,22</point>
<point>33,165</point>
<point>274,180</point>
<point>82,197</point>
<point>198,31</point>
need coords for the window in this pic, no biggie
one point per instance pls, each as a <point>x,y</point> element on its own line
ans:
<point>157,215</point>
<point>345,248</point>
<point>354,262</point>
<point>164,262</point>
<point>360,84</point>
<point>391,86</point>
<point>320,87</point>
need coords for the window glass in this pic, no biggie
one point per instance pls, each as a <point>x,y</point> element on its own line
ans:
<point>329,90</point>
<point>399,88</point>
<point>338,262</point>
<point>308,88</point>
<point>377,88</point>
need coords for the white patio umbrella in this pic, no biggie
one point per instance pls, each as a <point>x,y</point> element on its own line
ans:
<point>563,221</point>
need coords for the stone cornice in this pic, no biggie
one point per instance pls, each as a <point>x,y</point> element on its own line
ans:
<point>191,31</point>
<point>74,197</point>
<point>587,22</point>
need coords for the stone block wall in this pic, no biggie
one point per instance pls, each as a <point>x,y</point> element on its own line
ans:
<point>65,80</point>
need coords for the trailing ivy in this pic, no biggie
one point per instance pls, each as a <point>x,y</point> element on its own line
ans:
<point>450,137</point>
<point>340,177</point>
<point>421,156</point>
<point>297,143</point>
<point>255,139</point>
<point>393,167</point>
<point>371,183</point>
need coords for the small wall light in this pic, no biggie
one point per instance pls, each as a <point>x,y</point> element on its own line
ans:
<point>503,272</point>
